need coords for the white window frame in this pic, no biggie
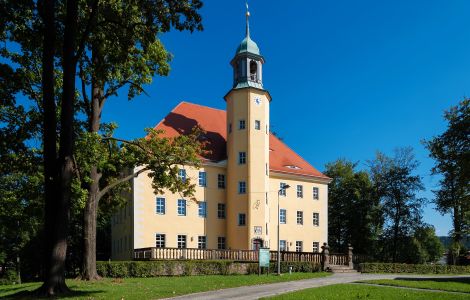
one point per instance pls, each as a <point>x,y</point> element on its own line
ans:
<point>221,181</point>
<point>202,242</point>
<point>202,209</point>
<point>257,125</point>
<point>300,217</point>
<point>182,240</point>
<point>241,217</point>
<point>241,158</point>
<point>221,242</point>
<point>300,191</point>
<point>181,207</point>
<point>202,178</point>
<point>242,187</point>
<point>283,216</point>
<point>182,175</point>
<point>158,242</point>
<point>159,206</point>
<point>315,193</point>
<point>221,213</point>
<point>282,245</point>
<point>282,189</point>
<point>299,246</point>
<point>316,245</point>
<point>316,219</point>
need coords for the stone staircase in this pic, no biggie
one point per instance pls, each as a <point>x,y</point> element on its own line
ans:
<point>341,269</point>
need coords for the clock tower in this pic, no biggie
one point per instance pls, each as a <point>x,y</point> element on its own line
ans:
<point>248,193</point>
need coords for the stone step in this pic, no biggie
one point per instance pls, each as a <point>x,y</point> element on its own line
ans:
<point>343,271</point>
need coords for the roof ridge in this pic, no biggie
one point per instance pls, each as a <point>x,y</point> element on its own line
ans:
<point>195,104</point>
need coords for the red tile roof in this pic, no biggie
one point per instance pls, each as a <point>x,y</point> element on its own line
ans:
<point>186,115</point>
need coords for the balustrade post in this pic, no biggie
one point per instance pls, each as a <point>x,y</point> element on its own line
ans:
<point>325,256</point>
<point>350,256</point>
<point>154,253</point>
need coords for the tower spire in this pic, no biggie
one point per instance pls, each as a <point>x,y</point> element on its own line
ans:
<point>247,20</point>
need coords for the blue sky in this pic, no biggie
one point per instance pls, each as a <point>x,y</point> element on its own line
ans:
<point>347,78</point>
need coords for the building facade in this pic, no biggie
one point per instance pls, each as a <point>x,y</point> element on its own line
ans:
<point>245,174</point>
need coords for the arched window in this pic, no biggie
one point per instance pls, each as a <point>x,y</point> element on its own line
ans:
<point>253,71</point>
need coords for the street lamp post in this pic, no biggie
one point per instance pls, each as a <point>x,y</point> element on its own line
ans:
<point>285,187</point>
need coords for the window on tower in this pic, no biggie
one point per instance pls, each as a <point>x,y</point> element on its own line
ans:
<point>241,125</point>
<point>253,71</point>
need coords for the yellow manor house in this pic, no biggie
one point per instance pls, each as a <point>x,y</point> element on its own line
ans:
<point>246,179</point>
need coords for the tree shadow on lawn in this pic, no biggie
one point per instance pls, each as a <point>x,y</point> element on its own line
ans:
<point>437,279</point>
<point>33,295</point>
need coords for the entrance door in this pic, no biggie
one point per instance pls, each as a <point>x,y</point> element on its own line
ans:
<point>257,243</point>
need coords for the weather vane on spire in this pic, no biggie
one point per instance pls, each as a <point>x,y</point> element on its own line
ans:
<point>247,20</point>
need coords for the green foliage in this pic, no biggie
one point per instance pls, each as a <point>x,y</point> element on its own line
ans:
<point>396,187</point>
<point>353,215</point>
<point>412,268</point>
<point>120,269</point>
<point>451,152</point>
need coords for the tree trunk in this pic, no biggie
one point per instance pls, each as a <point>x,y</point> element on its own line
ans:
<point>91,208</point>
<point>58,216</point>
<point>90,214</point>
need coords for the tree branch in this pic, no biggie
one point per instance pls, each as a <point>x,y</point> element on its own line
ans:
<point>119,181</point>
<point>86,33</point>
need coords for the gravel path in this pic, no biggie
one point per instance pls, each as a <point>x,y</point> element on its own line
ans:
<point>266,290</point>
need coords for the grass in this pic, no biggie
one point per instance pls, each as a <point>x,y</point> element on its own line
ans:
<point>443,284</point>
<point>356,291</point>
<point>155,287</point>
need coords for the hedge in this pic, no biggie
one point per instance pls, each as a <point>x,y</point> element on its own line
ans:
<point>411,268</point>
<point>120,269</point>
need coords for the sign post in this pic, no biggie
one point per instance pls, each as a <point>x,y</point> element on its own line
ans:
<point>264,258</point>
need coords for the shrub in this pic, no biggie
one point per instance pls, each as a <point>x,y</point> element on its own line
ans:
<point>192,267</point>
<point>412,268</point>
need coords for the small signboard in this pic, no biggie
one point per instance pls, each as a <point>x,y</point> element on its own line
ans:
<point>264,257</point>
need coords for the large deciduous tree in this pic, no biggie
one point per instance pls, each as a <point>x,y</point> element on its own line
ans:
<point>353,215</point>
<point>451,152</point>
<point>124,51</point>
<point>396,186</point>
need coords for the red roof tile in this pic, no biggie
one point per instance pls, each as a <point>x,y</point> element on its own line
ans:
<point>186,115</point>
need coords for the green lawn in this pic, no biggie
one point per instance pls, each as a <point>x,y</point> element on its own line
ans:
<point>356,291</point>
<point>157,287</point>
<point>444,284</point>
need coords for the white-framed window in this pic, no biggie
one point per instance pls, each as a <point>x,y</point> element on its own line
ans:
<point>221,242</point>
<point>181,207</point>
<point>181,241</point>
<point>242,187</point>
<point>221,181</point>
<point>160,206</point>
<point>315,193</point>
<point>241,158</point>
<point>160,240</point>
<point>202,242</point>
<point>202,178</point>
<point>257,125</point>
<point>316,219</point>
<point>316,247</point>
<point>221,210</point>
<point>298,246</point>
<point>241,219</point>
<point>241,124</point>
<point>300,191</point>
<point>282,216</point>
<point>202,209</point>
<point>282,189</point>
<point>182,175</point>
<point>300,217</point>
<point>283,245</point>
